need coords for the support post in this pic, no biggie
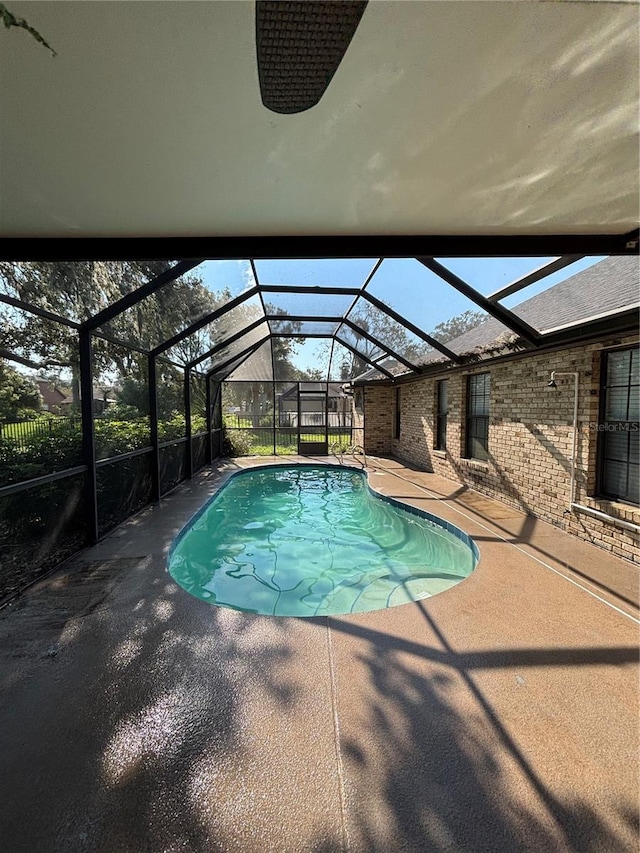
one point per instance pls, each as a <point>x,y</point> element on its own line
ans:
<point>153,429</point>
<point>209,455</point>
<point>88,435</point>
<point>187,421</point>
<point>273,400</point>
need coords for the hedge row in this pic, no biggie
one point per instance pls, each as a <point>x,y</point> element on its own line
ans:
<point>45,454</point>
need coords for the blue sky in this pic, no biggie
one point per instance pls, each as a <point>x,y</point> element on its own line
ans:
<point>404,284</point>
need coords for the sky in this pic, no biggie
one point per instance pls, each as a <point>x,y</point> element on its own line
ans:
<point>405,284</point>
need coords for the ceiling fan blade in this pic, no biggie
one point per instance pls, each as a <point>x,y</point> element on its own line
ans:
<point>300,45</point>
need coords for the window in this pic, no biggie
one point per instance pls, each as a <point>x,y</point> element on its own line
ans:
<point>478,389</point>
<point>619,430</point>
<point>396,425</point>
<point>441,414</point>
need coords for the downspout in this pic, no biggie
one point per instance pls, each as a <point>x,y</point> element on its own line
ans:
<point>573,506</point>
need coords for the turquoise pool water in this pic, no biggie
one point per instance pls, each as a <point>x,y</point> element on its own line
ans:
<point>314,541</point>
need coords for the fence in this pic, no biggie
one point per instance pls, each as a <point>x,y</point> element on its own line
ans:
<point>23,432</point>
<point>287,420</point>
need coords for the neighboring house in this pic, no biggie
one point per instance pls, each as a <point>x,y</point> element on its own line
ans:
<point>312,404</point>
<point>494,424</point>
<point>54,399</point>
<point>58,400</point>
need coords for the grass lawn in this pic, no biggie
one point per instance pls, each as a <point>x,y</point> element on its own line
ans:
<point>24,430</point>
<point>287,443</point>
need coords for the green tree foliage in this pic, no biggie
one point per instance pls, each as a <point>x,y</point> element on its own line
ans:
<point>78,290</point>
<point>385,329</point>
<point>73,290</point>
<point>395,336</point>
<point>19,396</point>
<point>9,20</point>
<point>134,395</point>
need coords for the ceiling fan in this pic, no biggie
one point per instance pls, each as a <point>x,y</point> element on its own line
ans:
<point>300,44</point>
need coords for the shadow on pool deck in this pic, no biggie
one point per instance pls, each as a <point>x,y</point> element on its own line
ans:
<point>136,718</point>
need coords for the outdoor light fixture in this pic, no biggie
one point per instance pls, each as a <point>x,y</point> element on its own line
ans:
<point>300,44</point>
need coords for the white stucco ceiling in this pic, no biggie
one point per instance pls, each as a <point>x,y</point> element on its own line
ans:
<point>443,118</point>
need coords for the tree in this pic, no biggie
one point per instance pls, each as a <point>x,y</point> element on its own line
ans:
<point>73,290</point>
<point>77,291</point>
<point>17,394</point>
<point>384,328</point>
<point>456,326</point>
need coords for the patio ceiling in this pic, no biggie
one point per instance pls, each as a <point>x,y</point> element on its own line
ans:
<point>465,120</point>
<point>460,159</point>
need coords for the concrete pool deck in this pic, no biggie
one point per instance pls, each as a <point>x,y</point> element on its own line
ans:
<point>500,715</point>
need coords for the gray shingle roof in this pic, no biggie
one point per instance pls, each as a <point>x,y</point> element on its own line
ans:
<point>604,288</point>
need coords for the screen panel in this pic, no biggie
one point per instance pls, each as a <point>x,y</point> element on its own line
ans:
<point>180,303</point>
<point>312,305</point>
<point>227,325</point>
<point>389,332</point>
<point>223,355</point>
<point>257,367</point>
<point>280,327</point>
<point>76,290</point>
<point>328,272</point>
<point>589,288</point>
<point>486,275</point>
<point>437,308</point>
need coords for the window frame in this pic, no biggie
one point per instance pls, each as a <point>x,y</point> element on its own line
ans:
<point>604,433</point>
<point>440,432</point>
<point>472,421</point>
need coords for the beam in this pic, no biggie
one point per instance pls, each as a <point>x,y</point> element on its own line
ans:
<point>207,380</point>
<point>187,421</point>
<point>313,246</point>
<point>131,299</point>
<point>410,326</point>
<point>246,352</point>
<point>153,429</point>
<point>88,435</point>
<point>368,361</point>
<point>365,284</point>
<point>380,345</point>
<point>503,315</point>
<point>303,318</point>
<point>204,321</point>
<point>37,311</point>
<point>289,288</point>
<point>532,277</point>
<point>226,342</point>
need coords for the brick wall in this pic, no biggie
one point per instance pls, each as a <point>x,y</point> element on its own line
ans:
<point>530,439</point>
<point>378,420</point>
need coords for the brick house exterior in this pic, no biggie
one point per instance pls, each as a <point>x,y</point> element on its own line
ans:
<point>530,436</point>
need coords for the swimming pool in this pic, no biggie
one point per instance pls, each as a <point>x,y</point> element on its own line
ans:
<point>315,540</point>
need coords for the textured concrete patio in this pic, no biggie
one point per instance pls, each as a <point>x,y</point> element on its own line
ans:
<point>500,715</point>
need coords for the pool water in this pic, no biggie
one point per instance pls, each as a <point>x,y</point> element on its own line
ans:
<point>314,541</point>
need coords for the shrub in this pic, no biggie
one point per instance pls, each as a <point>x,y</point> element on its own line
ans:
<point>61,449</point>
<point>236,442</point>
